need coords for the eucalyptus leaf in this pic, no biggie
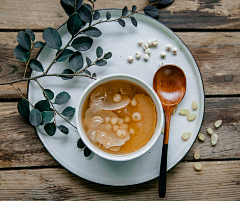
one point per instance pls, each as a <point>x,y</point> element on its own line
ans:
<point>88,6</point>
<point>38,44</point>
<point>108,15</point>
<point>30,34</point>
<point>108,55</point>
<point>48,93</point>
<point>134,21</point>
<point>101,62</point>
<point>35,117</point>
<point>63,129</point>
<point>52,38</point>
<point>47,117</point>
<point>50,128</point>
<point>151,11</point>
<point>76,61</point>
<point>23,108</point>
<point>93,32</point>
<point>23,40</point>
<point>62,98</point>
<point>134,8</point>
<point>121,22</point>
<point>67,71</point>
<point>79,4</point>
<point>68,111</point>
<point>87,152</point>
<point>82,43</point>
<point>99,52</point>
<point>74,23</point>
<point>165,2</point>
<point>64,55</point>
<point>80,144</point>
<point>96,15</point>
<point>21,54</point>
<point>42,105</point>
<point>69,2</point>
<point>89,62</point>
<point>124,11</point>
<point>85,14</point>
<point>87,72</point>
<point>94,75</point>
<point>69,10</point>
<point>152,1</point>
<point>36,65</point>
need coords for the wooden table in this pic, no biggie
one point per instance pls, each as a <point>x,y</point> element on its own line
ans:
<point>211,30</point>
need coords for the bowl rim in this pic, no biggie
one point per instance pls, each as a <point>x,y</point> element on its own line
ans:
<point>151,93</point>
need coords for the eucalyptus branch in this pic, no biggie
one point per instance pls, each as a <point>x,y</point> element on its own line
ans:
<point>28,61</point>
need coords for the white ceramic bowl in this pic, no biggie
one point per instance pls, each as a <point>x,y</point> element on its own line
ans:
<point>152,94</point>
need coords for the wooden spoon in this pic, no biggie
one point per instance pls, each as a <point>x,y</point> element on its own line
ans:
<point>169,83</point>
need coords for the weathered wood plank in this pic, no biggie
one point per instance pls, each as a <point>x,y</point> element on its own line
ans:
<point>217,181</point>
<point>184,14</point>
<point>21,147</point>
<point>217,55</point>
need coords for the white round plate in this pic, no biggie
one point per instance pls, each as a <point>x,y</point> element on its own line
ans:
<point>122,42</point>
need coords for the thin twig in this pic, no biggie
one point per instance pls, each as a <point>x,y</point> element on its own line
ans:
<point>28,62</point>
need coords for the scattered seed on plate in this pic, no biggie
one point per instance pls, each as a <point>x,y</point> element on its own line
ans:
<point>147,51</point>
<point>138,55</point>
<point>214,139</point>
<point>184,112</point>
<point>174,110</point>
<point>150,42</point>
<point>130,59</point>
<point>140,42</point>
<point>197,166</point>
<point>210,131</point>
<point>163,54</point>
<point>174,50</point>
<point>191,116</point>
<point>186,136</point>
<point>155,42</point>
<point>218,123</point>
<point>197,155</point>
<point>194,105</point>
<point>145,46</point>
<point>146,57</point>
<point>162,130</point>
<point>201,137</point>
<point>168,47</point>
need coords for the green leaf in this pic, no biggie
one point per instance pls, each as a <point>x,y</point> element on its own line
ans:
<point>49,94</point>
<point>76,61</point>
<point>23,40</point>
<point>69,10</point>
<point>85,14</point>
<point>64,55</point>
<point>89,62</point>
<point>74,23</point>
<point>50,128</point>
<point>165,2</point>
<point>21,54</point>
<point>88,6</point>
<point>82,43</point>
<point>35,117</point>
<point>68,111</point>
<point>134,21</point>
<point>69,2</point>
<point>42,105</point>
<point>94,75</point>
<point>80,144</point>
<point>108,15</point>
<point>47,116</point>
<point>79,4</point>
<point>67,71</point>
<point>101,62</point>
<point>121,22</point>
<point>124,11</point>
<point>30,34</point>
<point>93,32</point>
<point>87,152</point>
<point>52,38</point>
<point>38,44</point>
<point>134,8</point>
<point>151,11</point>
<point>23,108</point>
<point>108,55</point>
<point>96,15</point>
<point>87,72</point>
<point>36,65</point>
<point>63,129</point>
<point>99,52</point>
<point>62,98</point>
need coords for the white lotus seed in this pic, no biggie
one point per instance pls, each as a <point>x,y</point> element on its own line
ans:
<point>155,42</point>
<point>140,42</point>
<point>210,131</point>
<point>136,116</point>
<point>168,47</point>
<point>108,126</point>
<point>121,133</point>
<point>147,51</point>
<point>163,54</point>
<point>134,102</point>
<point>130,59</point>
<point>145,46</point>
<point>214,139</point>
<point>197,155</point>
<point>138,55</point>
<point>174,50</point>
<point>115,128</point>
<point>186,136</point>
<point>107,119</point>
<point>114,120</point>
<point>117,98</point>
<point>120,121</point>
<point>191,116</point>
<point>146,57</point>
<point>197,166</point>
<point>123,126</point>
<point>127,119</point>
<point>131,131</point>
<point>201,137</point>
<point>218,123</point>
<point>194,105</point>
<point>150,43</point>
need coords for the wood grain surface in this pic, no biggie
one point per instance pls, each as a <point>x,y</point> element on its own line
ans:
<point>184,14</point>
<point>218,180</point>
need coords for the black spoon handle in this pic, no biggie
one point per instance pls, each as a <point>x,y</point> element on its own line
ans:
<point>163,172</point>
